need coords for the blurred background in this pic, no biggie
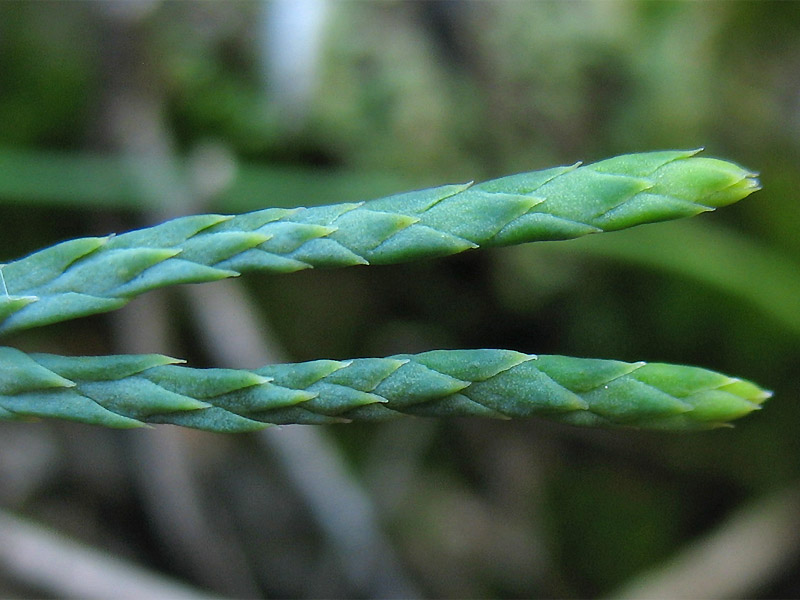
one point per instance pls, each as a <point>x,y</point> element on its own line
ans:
<point>115,115</point>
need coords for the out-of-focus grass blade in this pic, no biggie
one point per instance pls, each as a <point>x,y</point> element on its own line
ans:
<point>66,179</point>
<point>712,254</point>
<point>256,187</point>
<point>95,181</point>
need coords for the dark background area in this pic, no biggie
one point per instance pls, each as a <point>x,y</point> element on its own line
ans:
<point>117,115</point>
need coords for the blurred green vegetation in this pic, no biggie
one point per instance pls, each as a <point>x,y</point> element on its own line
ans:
<point>408,95</point>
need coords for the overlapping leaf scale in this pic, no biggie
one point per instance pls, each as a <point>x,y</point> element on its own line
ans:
<point>92,275</point>
<point>128,391</point>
